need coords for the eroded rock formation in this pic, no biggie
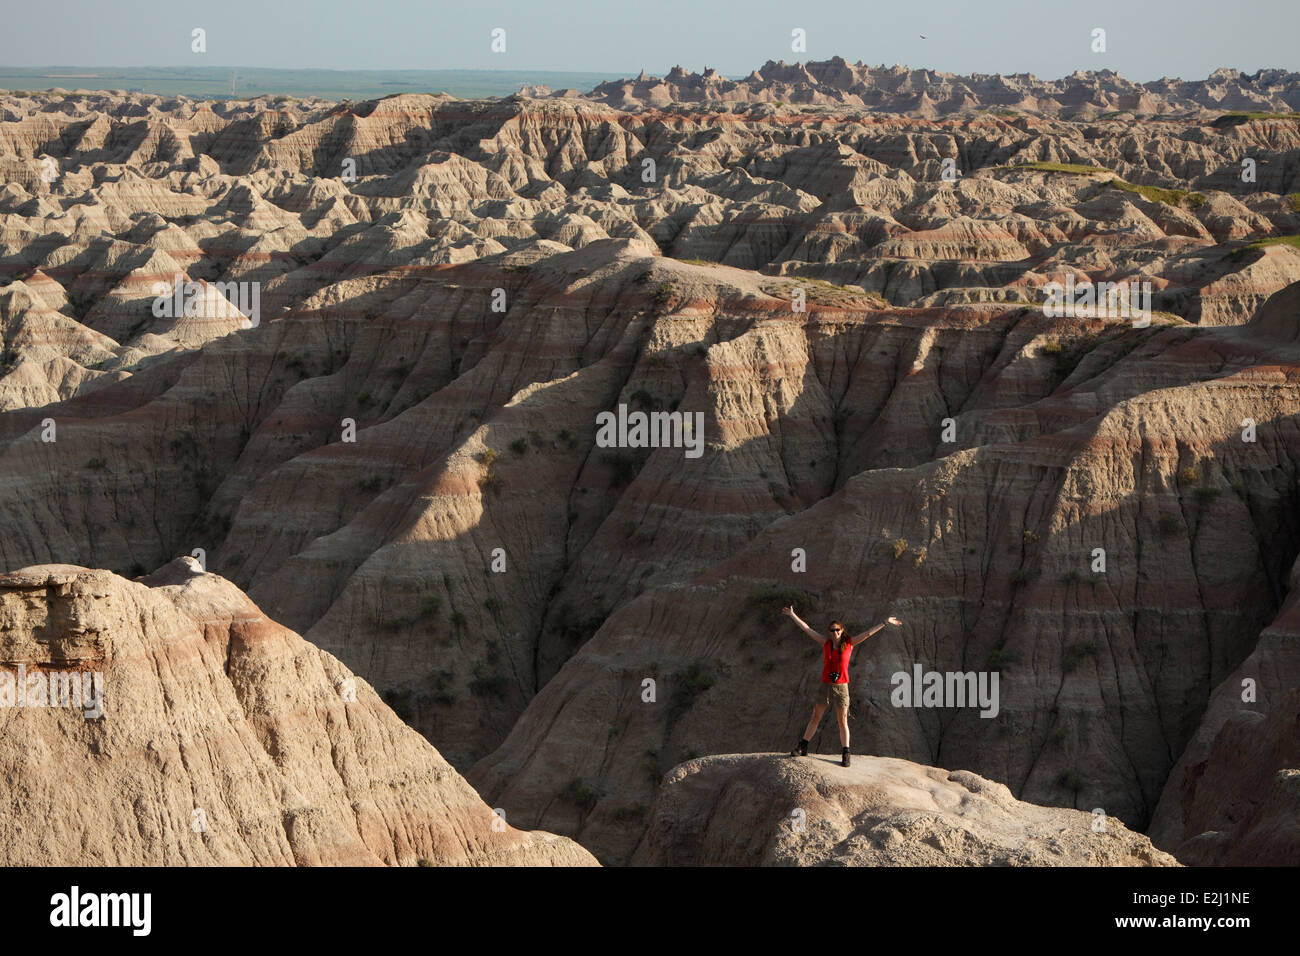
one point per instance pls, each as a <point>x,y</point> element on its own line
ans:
<point>220,738</point>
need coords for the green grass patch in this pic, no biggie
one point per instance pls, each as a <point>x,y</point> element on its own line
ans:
<point>1170,197</point>
<point>1073,169</point>
<point>1243,116</point>
<point>1292,241</point>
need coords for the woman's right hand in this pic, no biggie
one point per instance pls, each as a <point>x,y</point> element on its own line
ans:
<point>788,611</point>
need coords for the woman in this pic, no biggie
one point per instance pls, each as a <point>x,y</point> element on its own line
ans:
<point>834,687</point>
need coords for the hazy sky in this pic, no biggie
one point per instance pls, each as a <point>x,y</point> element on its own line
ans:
<point>1146,39</point>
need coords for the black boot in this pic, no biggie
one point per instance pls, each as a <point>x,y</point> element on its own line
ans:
<point>801,750</point>
<point>845,759</point>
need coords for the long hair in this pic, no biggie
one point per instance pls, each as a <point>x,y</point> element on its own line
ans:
<point>844,635</point>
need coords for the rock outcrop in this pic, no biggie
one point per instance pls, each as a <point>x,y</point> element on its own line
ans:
<point>217,737</point>
<point>772,810</point>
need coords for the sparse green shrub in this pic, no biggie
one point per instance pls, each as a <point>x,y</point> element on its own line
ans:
<point>519,446</point>
<point>687,686</point>
<point>1205,496</point>
<point>664,295</point>
<point>999,658</point>
<point>1188,475</point>
<point>371,484</point>
<point>488,480</point>
<point>769,599</point>
<point>1074,655</point>
<point>1070,781</point>
<point>399,701</point>
<point>1169,526</point>
<point>582,796</point>
<point>623,467</point>
<point>900,546</point>
<point>489,685</point>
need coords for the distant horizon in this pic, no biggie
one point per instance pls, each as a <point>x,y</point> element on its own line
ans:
<point>1143,42</point>
<point>626,74</point>
<point>213,82</point>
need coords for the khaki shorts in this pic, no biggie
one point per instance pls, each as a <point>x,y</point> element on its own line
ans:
<point>833,695</point>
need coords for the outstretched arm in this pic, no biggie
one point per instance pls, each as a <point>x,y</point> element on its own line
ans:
<point>872,631</point>
<point>789,612</point>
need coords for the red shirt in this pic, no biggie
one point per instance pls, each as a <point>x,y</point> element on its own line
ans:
<point>833,660</point>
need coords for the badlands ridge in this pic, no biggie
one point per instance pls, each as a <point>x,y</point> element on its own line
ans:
<point>395,458</point>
